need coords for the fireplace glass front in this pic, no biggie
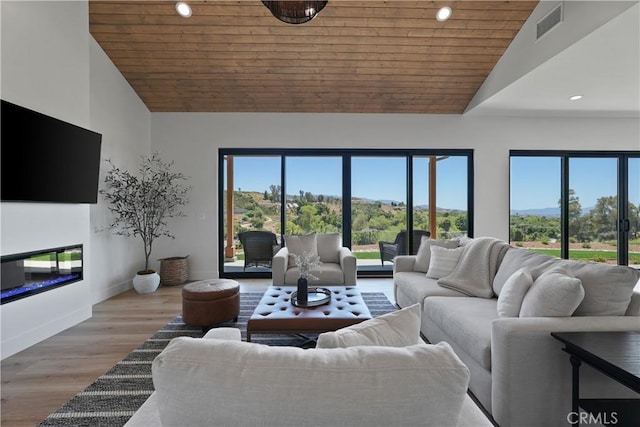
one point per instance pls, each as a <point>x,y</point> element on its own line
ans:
<point>31,273</point>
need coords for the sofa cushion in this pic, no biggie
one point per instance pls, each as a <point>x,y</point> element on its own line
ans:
<point>298,244</point>
<point>513,292</point>
<point>516,258</point>
<point>423,256</point>
<point>556,293</point>
<point>329,247</point>
<point>607,288</point>
<point>443,261</point>
<point>412,287</point>
<point>467,321</point>
<point>399,328</point>
<point>328,273</point>
<point>213,382</point>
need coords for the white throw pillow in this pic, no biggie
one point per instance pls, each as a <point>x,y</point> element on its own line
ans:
<point>423,257</point>
<point>556,293</point>
<point>299,244</point>
<point>399,328</point>
<point>329,247</point>
<point>607,288</point>
<point>513,293</point>
<point>443,261</point>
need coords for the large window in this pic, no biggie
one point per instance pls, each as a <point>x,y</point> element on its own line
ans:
<point>313,185</point>
<point>378,205</point>
<point>577,205</point>
<point>369,196</point>
<point>633,211</point>
<point>251,201</point>
<point>535,203</point>
<point>440,191</point>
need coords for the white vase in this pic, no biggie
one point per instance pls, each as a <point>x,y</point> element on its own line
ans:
<point>146,283</point>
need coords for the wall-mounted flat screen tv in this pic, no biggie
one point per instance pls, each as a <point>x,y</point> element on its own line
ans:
<point>44,159</point>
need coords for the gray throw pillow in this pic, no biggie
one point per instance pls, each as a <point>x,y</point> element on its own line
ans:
<point>513,293</point>
<point>556,293</point>
<point>607,288</point>
<point>297,245</point>
<point>443,261</point>
<point>423,256</point>
<point>329,247</point>
<point>396,329</point>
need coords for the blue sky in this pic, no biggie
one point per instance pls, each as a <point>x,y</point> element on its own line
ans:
<point>536,180</point>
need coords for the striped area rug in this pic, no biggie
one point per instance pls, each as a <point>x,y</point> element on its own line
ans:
<point>114,397</point>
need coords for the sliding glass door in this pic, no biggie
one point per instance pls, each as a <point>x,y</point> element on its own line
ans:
<point>633,212</point>
<point>369,196</point>
<point>251,201</point>
<point>440,195</point>
<point>378,207</point>
<point>577,205</point>
<point>313,203</point>
<point>593,209</point>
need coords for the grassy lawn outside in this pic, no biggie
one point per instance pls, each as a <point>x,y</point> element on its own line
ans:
<point>367,255</point>
<point>64,256</point>
<point>590,255</point>
<point>579,255</point>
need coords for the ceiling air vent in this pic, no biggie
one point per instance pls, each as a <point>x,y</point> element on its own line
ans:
<point>547,23</point>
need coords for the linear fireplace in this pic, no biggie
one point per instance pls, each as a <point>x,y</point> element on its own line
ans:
<point>31,273</point>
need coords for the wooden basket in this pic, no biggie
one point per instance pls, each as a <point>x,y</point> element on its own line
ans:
<point>173,271</point>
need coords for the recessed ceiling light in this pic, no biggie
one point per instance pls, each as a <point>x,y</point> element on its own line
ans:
<point>183,9</point>
<point>444,13</point>
<point>575,97</point>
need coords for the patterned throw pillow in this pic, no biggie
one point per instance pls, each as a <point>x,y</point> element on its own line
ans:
<point>423,257</point>
<point>443,261</point>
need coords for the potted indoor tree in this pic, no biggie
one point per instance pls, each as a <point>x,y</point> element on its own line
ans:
<point>142,204</point>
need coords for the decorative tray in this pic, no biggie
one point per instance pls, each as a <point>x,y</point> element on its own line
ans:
<point>315,297</point>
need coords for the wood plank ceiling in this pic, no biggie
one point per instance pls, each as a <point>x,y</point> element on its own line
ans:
<point>355,57</point>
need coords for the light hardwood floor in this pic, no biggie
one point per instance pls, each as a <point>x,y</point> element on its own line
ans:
<point>40,379</point>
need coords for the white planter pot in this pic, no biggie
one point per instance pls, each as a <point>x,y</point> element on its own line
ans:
<point>146,283</point>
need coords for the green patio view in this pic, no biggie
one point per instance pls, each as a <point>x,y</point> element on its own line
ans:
<point>373,221</point>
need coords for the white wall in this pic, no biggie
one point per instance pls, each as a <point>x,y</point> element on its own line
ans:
<point>50,63</point>
<point>45,67</point>
<point>124,122</point>
<point>192,140</point>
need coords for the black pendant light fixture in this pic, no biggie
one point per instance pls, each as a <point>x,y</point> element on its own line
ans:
<point>295,11</point>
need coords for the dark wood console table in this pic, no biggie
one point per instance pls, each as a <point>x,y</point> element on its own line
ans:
<point>615,354</point>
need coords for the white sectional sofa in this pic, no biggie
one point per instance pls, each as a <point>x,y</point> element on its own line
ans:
<point>518,371</point>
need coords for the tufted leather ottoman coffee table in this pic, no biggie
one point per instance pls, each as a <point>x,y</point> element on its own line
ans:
<point>209,302</point>
<point>276,315</point>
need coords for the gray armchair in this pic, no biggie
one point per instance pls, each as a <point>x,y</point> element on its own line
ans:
<point>338,264</point>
